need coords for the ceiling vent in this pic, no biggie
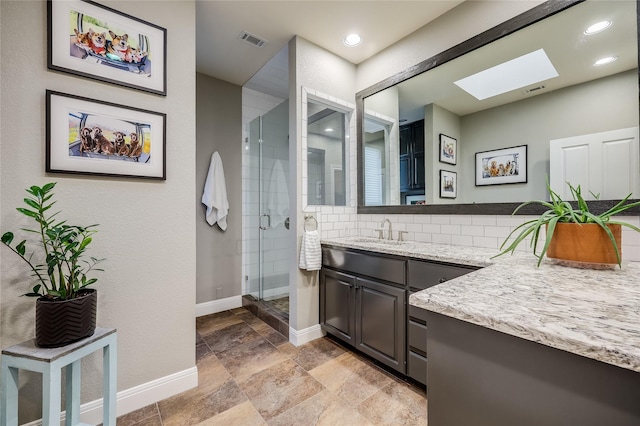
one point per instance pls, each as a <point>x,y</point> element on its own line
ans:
<point>253,40</point>
<point>534,89</point>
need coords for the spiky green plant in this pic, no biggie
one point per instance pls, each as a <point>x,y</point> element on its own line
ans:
<point>61,271</point>
<point>561,211</point>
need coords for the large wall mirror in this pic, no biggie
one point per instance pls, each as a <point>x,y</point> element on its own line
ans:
<point>479,128</point>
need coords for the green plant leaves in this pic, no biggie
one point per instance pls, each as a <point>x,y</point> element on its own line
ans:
<point>561,211</point>
<point>63,271</point>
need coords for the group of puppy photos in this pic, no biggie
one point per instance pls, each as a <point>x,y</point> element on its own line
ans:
<point>104,138</point>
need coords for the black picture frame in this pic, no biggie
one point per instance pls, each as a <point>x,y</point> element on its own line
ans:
<point>106,45</point>
<point>502,166</point>
<point>448,184</point>
<point>92,137</point>
<point>448,149</point>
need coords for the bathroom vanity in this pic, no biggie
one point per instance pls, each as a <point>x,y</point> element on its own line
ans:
<point>507,342</point>
<point>365,284</point>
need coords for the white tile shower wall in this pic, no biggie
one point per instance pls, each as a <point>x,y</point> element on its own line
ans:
<point>474,230</point>
<point>333,221</point>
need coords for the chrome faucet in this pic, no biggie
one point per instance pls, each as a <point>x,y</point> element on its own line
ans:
<point>390,234</point>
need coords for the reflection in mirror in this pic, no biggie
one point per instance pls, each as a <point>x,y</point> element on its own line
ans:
<point>581,101</point>
<point>379,161</point>
<point>326,141</point>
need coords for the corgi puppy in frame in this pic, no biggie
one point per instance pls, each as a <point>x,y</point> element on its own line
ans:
<point>98,42</point>
<point>119,45</point>
<point>136,55</point>
<point>83,40</point>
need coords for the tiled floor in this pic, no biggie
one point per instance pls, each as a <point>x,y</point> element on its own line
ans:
<point>249,374</point>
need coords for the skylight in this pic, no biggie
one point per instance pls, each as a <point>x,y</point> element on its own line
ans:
<point>515,74</point>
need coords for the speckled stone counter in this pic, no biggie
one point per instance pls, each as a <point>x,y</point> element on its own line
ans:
<point>591,313</point>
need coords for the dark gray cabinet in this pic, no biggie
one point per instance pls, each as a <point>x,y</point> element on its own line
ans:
<point>412,172</point>
<point>363,302</point>
<point>422,275</point>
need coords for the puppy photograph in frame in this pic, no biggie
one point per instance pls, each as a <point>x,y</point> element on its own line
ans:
<point>502,166</point>
<point>87,136</point>
<point>448,149</point>
<point>91,40</point>
<point>448,184</point>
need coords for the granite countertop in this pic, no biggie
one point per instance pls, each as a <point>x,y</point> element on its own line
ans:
<point>591,313</point>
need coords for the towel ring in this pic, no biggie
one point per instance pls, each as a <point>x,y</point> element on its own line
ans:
<point>307,219</point>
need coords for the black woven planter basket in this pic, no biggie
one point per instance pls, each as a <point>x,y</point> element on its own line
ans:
<point>59,323</point>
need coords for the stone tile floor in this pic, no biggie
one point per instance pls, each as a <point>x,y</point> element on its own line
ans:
<point>249,374</point>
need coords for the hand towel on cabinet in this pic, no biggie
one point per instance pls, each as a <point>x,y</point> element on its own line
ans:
<point>214,195</point>
<point>310,251</point>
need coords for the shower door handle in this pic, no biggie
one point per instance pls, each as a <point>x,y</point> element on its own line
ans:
<point>268,225</point>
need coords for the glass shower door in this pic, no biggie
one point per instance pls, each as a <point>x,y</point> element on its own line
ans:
<point>268,206</point>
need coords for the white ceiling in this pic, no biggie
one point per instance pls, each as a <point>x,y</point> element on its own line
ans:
<point>221,54</point>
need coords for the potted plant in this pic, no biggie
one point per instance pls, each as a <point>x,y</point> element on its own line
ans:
<point>66,307</point>
<point>574,235</point>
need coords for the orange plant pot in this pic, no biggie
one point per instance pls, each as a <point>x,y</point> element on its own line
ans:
<point>586,243</point>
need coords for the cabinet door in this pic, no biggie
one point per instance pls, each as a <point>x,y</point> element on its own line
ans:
<point>381,322</point>
<point>406,177</point>
<point>337,306</point>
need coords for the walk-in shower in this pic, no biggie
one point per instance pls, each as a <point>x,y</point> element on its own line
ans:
<point>266,211</point>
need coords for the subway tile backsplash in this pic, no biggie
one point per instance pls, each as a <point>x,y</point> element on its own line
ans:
<point>466,230</point>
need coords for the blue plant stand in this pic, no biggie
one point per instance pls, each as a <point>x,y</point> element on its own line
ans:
<point>50,362</point>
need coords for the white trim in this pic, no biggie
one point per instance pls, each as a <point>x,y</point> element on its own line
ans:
<point>139,396</point>
<point>299,338</point>
<point>215,306</point>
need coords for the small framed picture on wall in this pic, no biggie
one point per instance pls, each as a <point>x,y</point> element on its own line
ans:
<point>448,184</point>
<point>448,149</point>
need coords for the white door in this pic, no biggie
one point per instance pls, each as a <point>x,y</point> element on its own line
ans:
<point>605,163</point>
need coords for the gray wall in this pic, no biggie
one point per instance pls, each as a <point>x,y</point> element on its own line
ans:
<point>147,228</point>
<point>218,128</point>
<point>600,105</point>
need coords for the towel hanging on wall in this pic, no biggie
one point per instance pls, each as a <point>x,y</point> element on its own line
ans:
<point>310,251</point>
<point>214,195</point>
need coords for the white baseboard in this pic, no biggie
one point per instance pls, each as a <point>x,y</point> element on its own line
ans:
<point>138,397</point>
<point>220,305</point>
<point>300,337</point>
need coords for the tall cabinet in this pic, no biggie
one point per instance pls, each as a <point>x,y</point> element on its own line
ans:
<point>412,171</point>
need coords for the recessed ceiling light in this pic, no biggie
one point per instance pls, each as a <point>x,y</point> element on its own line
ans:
<point>605,61</point>
<point>515,74</point>
<point>597,27</point>
<point>352,40</point>
<point>328,130</point>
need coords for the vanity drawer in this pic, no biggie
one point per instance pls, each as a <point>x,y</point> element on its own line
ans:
<point>422,275</point>
<point>371,265</point>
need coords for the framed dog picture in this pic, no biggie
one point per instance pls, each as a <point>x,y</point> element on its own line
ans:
<point>91,40</point>
<point>448,184</point>
<point>91,137</point>
<point>448,149</point>
<point>502,166</point>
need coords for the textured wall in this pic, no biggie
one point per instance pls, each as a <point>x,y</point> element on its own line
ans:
<point>147,228</point>
<point>219,262</point>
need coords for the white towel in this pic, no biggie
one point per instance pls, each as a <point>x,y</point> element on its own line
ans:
<point>214,195</point>
<point>310,251</point>
<point>277,195</point>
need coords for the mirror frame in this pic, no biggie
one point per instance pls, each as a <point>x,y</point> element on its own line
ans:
<point>517,23</point>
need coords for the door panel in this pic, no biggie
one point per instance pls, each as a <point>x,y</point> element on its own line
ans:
<point>605,163</point>
<point>336,304</point>
<point>381,322</point>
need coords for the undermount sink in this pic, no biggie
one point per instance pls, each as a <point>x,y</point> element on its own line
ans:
<point>371,240</point>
